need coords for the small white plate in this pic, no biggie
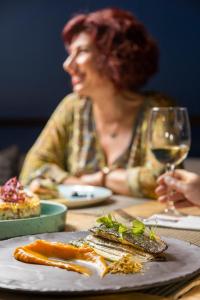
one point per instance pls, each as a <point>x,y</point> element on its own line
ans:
<point>82,195</point>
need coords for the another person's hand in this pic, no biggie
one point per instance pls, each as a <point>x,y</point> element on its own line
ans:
<point>183,185</point>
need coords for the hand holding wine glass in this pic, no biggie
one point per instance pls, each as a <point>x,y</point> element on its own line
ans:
<point>186,187</point>
<point>169,139</point>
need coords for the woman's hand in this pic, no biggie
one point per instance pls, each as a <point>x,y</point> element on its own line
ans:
<point>183,186</point>
<point>92,179</point>
<point>116,180</point>
<point>86,179</point>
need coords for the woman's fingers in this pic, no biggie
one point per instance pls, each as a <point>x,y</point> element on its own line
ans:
<point>173,196</point>
<point>170,185</point>
<point>161,189</point>
<point>177,198</point>
<point>174,184</point>
<point>170,189</point>
<point>160,179</point>
<point>177,174</point>
<point>183,203</point>
<point>183,185</point>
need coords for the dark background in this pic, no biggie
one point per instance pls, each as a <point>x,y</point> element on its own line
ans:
<point>32,81</point>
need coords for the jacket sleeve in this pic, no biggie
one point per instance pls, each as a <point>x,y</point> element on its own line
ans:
<point>47,156</point>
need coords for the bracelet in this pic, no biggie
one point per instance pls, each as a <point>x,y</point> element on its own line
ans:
<point>105,171</point>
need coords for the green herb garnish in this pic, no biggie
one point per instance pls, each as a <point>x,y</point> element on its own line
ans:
<point>122,229</point>
<point>138,227</point>
<point>106,220</point>
<point>109,222</point>
<point>152,234</point>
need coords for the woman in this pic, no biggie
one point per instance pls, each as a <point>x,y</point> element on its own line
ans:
<point>184,187</point>
<point>97,135</point>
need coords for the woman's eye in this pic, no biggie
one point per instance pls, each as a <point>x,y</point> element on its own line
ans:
<point>79,51</point>
<point>84,50</point>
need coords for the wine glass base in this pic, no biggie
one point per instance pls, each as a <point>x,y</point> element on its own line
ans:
<point>173,212</point>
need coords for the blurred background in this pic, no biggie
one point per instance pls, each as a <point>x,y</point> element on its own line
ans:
<point>32,81</point>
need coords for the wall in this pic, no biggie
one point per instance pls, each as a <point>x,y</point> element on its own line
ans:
<point>32,81</point>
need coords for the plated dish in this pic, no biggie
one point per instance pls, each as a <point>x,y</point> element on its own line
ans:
<point>71,195</point>
<point>82,195</point>
<point>181,260</point>
<point>16,203</point>
<point>51,219</point>
<point>111,247</point>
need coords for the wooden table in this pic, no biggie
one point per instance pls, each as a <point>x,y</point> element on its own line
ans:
<point>125,208</point>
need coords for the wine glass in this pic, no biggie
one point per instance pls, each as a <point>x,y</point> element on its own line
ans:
<point>169,140</point>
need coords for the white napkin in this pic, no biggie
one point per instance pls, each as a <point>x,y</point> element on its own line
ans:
<point>186,222</point>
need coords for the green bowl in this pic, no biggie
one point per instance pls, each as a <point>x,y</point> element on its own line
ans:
<point>52,219</point>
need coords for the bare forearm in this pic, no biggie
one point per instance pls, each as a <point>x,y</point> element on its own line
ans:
<point>117,182</point>
<point>138,182</point>
<point>72,180</point>
<point>87,179</point>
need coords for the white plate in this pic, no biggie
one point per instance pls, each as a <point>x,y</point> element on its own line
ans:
<point>86,195</point>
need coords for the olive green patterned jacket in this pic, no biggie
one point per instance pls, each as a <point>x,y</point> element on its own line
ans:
<point>69,145</point>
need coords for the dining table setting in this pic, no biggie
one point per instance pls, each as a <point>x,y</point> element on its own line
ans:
<point>176,278</point>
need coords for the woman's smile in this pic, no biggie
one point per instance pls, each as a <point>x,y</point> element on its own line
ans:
<point>76,79</point>
<point>81,66</point>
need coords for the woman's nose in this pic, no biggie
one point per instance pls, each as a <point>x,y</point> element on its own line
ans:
<point>69,64</point>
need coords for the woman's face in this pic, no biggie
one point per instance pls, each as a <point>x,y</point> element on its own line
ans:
<point>80,64</point>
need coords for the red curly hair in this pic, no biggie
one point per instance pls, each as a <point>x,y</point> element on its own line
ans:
<point>128,55</point>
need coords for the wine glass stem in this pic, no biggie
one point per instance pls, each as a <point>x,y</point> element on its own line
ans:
<point>170,204</point>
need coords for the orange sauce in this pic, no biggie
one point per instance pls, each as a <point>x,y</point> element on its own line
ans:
<point>41,252</point>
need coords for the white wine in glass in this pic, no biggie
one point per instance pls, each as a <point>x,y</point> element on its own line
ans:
<point>169,139</point>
